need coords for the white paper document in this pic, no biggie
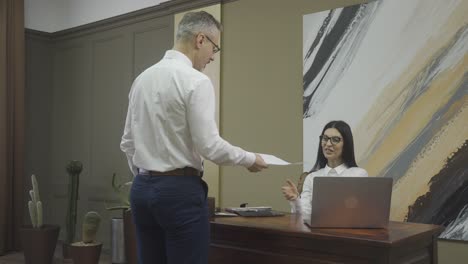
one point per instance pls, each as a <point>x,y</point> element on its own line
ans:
<point>273,160</point>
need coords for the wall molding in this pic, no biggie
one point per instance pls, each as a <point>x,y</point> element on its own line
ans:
<point>40,35</point>
<point>163,9</point>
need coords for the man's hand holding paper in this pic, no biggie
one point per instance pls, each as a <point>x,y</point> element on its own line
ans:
<point>273,160</point>
<point>258,165</point>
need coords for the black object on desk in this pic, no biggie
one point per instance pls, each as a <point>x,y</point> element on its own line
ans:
<point>261,211</point>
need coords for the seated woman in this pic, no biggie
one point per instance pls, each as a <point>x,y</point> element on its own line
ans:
<point>335,157</point>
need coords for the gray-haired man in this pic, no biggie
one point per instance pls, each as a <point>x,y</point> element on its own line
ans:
<point>169,129</point>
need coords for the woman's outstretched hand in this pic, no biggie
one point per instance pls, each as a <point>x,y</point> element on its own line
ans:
<point>290,191</point>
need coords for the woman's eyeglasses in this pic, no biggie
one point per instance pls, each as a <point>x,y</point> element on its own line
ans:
<point>334,140</point>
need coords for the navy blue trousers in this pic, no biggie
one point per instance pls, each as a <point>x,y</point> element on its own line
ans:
<point>171,218</point>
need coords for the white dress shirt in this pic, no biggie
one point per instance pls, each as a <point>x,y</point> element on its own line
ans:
<point>171,120</point>
<point>304,203</point>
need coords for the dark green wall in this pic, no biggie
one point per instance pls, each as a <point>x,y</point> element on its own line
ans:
<point>77,88</point>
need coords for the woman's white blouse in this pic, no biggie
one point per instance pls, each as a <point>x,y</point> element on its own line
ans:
<point>304,203</point>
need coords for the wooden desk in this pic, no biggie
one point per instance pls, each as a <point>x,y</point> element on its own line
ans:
<point>275,240</point>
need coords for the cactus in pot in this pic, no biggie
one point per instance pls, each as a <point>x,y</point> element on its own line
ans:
<point>74,169</point>
<point>89,229</point>
<point>39,240</point>
<point>88,250</point>
<point>35,204</point>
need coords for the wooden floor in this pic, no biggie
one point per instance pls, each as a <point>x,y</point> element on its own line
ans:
<point>18,258</point>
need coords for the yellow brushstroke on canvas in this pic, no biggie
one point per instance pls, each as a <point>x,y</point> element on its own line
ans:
<point>446,141</point>
<point>383,111</point>
<point>416,117</point>
<point>430,161</point>
<point>433,157</point>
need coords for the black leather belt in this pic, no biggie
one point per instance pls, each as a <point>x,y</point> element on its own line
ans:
<point>187,171</point>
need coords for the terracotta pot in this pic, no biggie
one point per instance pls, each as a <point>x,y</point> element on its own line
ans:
<point>130,238</point>
<point>39,243</point>
<point>88,254</point>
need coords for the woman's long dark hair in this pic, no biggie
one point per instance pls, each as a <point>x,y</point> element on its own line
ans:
<point>348,146</point>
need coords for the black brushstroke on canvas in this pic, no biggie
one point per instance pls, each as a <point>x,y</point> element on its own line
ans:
<point>319,35</point>
<point>456,229</point>
<point>448,192</point>
<point>325,51</point>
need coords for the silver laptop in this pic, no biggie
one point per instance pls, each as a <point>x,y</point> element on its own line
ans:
<point>351,202</point>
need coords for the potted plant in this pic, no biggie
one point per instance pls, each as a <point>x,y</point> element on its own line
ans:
<point>87,251</point>
<point>74,169</point>
<point>38,240</point>
<point>123,192</point>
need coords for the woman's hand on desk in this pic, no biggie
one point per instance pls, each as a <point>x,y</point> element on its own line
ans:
<point>290,191</point>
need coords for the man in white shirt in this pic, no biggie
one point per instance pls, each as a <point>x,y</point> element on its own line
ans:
<point>170,128</point>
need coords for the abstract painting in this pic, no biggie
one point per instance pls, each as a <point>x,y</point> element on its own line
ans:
<point>396,71</point>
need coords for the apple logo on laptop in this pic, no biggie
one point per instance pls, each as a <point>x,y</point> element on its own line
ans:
<point>351,202</point>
